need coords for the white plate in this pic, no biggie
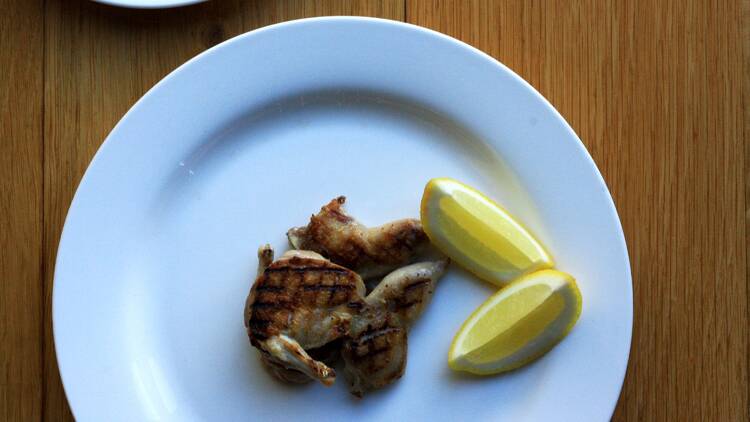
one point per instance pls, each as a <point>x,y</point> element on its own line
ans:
<point>254,135</point>
<point>149,4</point>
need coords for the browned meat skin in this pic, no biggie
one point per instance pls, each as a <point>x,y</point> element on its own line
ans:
<point>375,351</point>
<point>301,302</point>
<point>407,291</point>
<point>375,355</point>
<point>299,314</point>
<point>370,252</point>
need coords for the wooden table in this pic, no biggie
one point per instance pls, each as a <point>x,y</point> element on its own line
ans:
<point>659,91</point>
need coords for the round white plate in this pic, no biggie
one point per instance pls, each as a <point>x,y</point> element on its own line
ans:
<point>149,4</point>
<point>253,136</point>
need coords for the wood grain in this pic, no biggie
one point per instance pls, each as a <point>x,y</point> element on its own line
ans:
<point>745,24</point>
<point>21,304</point>
<point>261,13</point>
<point>653,90</point>
<point>100,60</point>
<point>658,92</point>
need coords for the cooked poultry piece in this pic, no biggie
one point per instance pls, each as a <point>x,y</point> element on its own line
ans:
<point>407,291</point>
<point>290,375</point>
<point>327,354</point>
<point>371,252</point>
<point>375,351</point>
<point>300,302</point>
<point>375,355</point>
<point>303,308</point>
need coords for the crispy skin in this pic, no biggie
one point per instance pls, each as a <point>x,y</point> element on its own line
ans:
<point>370,252</point>
<point>298,291</point>
<point>375,354</point>
<point>375,351</point>
<point>302,309</point>
<point>407,291</point>
<point>301,302</point>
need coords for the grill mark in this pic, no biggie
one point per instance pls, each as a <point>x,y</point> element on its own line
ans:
<point>258,327</point>
<point>331,294</point>
<point>395,247</point>
<point>372,336</point>
<point>416,284</point>
<point>304,269</point>
<point>270,288</point>
<point>269,305</point>
<point>370,330</point>
<point>259,322</point>
<point>403,305</point>
<point>374,366</point>
<point>328,288</point>
<point>300,279</point>
<point>376,352</point>
<point>354,305</point>
<point>352,254</point>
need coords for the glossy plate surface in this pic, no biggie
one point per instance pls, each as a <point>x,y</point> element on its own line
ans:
<point>253,136</point>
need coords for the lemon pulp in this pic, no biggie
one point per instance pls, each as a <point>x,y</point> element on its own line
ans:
<point>518,324</point>
<point>479,234</point>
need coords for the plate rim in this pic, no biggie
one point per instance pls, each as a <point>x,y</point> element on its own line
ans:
<point>106,143</point>
<point>162,4</point>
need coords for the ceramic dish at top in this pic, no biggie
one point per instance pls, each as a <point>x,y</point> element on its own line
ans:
<point>149,4</point>
<point>251,137</point>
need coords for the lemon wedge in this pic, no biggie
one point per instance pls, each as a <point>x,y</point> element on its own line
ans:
<point>478,234</point>
<point>518,324</point>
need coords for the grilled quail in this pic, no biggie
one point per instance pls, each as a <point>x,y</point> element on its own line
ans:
<point>302,308</point>
<point>371,252</point>
<point>375,351</point>
<point>300,302</point>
